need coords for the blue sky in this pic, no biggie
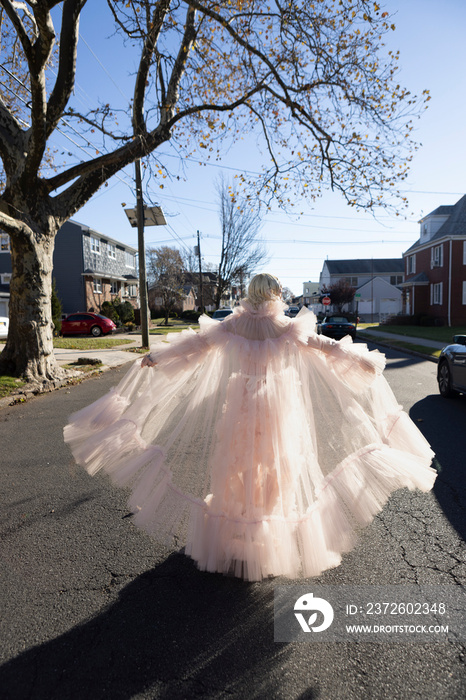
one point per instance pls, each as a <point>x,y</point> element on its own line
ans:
<point>430,36</point>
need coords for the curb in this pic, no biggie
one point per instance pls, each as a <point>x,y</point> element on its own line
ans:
<point>384,343</point>
<point>22,395</point>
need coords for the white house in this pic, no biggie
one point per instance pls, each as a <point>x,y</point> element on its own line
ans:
<point>377,299</point>
<point>377,283</point>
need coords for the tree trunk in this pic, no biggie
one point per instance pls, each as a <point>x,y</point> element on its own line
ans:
<point>29,349</point>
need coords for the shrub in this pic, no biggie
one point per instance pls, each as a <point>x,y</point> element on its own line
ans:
<point>191,316</point>
<point>56,309</point>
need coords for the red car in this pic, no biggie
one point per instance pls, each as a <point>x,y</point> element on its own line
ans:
<point>87,324</point>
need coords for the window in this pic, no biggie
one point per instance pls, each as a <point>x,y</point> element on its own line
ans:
<point>111,250</point>
<point>114,287</point>
<point>436,256</point>
<point>396,279</point>
<point>133,290</point>
<point>130,260</point>
<point>6,278</point>
<point>464,292</point>
<point>307,290</point>
<point>436,293</point>
<point>353,281</point>
<point>95,244</point>
<point>464,252</point>
<point>411,265</point>
<point>4,243</point>
<point>97,285</point>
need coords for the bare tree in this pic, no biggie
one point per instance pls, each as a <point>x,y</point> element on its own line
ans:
<point>241,250</point>
<point>340,293</point>
<point>287,295</point>
<point>165,272</point>
<point>311,80</point>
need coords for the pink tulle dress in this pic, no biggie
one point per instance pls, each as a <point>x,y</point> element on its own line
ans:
<point>257,443</point>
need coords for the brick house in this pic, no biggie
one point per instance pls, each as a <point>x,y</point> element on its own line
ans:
<point>435,266</point>
<point>88,267</point>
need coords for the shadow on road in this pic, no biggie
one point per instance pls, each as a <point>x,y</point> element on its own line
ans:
<point>442,422</point>
<point>173,633</point>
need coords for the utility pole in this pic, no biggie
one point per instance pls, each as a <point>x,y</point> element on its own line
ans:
<point>142,257</point>
<point>201,292</point>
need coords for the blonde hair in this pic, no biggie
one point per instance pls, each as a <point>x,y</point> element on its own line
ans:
<point>264,287</point>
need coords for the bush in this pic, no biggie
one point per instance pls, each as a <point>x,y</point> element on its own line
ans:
<point>56,309</point>
<point>108,309</point>
<point>119,312</point>
<point>191,316</point>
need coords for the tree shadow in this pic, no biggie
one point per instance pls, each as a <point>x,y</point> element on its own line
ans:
<point>442,423</point>
<point>173,633</point>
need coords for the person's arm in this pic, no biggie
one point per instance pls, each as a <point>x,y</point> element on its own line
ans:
<point>179,352</point>
<point>353,362</point>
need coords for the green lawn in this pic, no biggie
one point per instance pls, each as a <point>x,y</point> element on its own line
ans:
<point>423,349</point>
<point>89,343</point>
<point>443,334</point>
<point>163,330</point>
<point>9,384</point>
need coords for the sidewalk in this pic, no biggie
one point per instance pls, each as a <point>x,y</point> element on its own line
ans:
<point>386,337</point>
<point>110,357</point>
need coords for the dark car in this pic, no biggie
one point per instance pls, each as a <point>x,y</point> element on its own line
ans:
<point>292,311</point>
<point>451,369</point>
<point>87,324</point>
<point>337,327</point>
<point>221,314</point>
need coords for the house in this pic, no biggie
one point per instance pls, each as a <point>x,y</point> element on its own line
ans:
<point>377,282</point>
<point>377,299</point>
<point>88,267</point>
<point>435,266</point>
<point>187,302</point>
<point>5,273</point>
<point>311,296</point>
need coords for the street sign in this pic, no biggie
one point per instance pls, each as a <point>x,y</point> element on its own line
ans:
<point>153,216</point>
<point>326,301</point>
<point>357,296</point>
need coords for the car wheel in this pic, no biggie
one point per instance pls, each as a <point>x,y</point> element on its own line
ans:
<point>444,381</point>
<point>96,331</point>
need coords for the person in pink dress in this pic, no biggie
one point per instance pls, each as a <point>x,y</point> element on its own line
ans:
<point>258,443</point>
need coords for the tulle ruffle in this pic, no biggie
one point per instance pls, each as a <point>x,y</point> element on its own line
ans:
<point>299,545</point>
<point>260,445</point>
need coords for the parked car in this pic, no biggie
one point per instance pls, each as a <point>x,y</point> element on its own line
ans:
<point>87,324</point>
<point>292,311</point>
<point>4,322</point>
<point>221,314</point>
<point>336,327</point>
<point>451,369</point>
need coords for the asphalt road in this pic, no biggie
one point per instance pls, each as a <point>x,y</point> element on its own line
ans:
<point>92,608</point>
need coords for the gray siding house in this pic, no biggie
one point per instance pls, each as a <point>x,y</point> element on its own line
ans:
<point>88,267</point>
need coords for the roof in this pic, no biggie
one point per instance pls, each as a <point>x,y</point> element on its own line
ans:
<point>421,278</point>
<point>371,266</point>
<point>455,225</point>
<point>443,210</point>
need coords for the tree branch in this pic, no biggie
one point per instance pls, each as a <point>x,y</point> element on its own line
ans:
<point>145,63</point>
<point>179,66</point>
<point>19,27</point>
<point>64,83</point>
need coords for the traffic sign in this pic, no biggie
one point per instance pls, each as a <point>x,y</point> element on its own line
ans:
<point>326,301</point>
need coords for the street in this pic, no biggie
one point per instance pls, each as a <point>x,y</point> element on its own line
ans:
<point>93,608</point>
